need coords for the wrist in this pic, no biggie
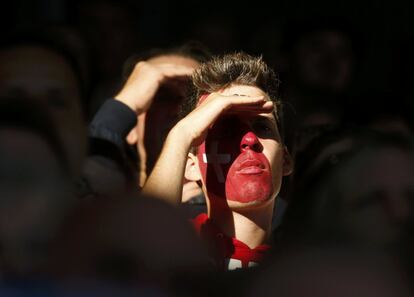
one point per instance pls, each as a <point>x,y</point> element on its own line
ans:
<point>124,98</point>
<point>178,138</point>
<point>129,101</point>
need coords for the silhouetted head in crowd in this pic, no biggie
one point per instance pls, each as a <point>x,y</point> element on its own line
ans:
<point>154,125</point>
<point>322,57</point>
<point>377,111</point>
<point>353,186</point>
<point>39,67</point>
<point>327,271</point>
<point>34,175</point>
<point>136,242</point>
<point>323,53</point>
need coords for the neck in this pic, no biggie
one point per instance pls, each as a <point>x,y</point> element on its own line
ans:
<point>251,226</point>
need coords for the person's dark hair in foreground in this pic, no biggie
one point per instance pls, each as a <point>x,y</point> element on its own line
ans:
<point>135,244</point>
<point>34,187</point>
<point>329,270</point>
<point>353,186</point>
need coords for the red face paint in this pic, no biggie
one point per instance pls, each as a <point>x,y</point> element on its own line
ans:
<point>232,163</point>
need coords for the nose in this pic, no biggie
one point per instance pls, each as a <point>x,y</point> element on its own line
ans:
<point>250,142</point>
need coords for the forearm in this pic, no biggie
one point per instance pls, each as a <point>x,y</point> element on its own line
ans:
<point>166,179</point>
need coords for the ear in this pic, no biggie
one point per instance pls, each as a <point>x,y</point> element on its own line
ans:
<point>192,170</point>
<point>287,162</point>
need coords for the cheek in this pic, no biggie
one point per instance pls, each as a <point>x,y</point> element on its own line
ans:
<point>276,161</point>
<point>275,155</point>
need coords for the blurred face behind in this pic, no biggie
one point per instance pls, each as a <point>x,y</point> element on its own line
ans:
<point>40,74</point>
<point>324,60</point>
<point>329,271</point>
<point>32,188</point>
<point>379,208</point>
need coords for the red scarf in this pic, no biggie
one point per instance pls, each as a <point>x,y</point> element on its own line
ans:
<point>228,252</point>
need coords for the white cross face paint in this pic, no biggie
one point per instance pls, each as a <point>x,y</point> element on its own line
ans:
<point>216,159</point>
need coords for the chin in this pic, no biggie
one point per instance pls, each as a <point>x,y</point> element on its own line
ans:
<point>258,203</point>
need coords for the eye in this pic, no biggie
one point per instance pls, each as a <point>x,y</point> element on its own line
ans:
<point>225,128</point>
<point>263,128</point>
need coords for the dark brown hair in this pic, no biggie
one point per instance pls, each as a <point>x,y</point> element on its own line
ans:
<point>237,68</point>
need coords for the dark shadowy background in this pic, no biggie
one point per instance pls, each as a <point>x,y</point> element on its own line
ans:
<point>253,26</point>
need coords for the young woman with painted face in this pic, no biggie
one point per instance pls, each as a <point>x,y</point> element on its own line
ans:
<point>230,143</point>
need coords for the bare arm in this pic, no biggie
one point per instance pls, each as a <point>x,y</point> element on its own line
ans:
<point>166,179</point>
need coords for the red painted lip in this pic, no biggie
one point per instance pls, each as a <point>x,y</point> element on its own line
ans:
<point>251,166</point>
<point>251,170</point>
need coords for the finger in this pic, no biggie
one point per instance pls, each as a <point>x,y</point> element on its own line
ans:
<point>249,111</point>
<point>227,102</point>
<point>245,99</point>
<point>267,105</point>
<point>175,70</point>
<point>233,101</point>
<point>172,65</point>
<point>208,113</point>
<point>259,104</point>
<point>267,110</point>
